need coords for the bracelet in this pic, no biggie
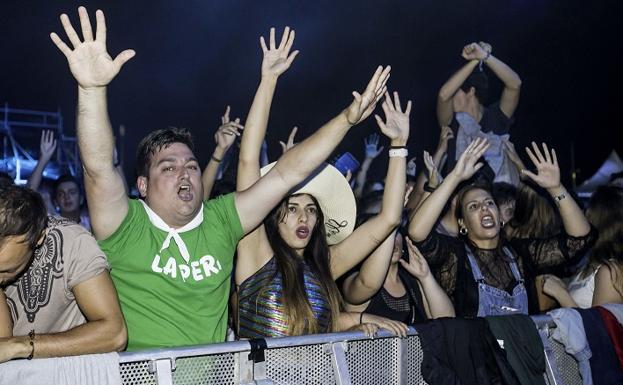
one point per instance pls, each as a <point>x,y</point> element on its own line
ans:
<point>361,318</point>
<point>217,160</point>
<point>429,188</point>
<point>487,57</point>
<point>31,335</point>
<point>560,197</point>
<point>396,147</point>
<point>398,152</point>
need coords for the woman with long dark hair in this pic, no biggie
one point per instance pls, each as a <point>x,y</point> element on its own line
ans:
<point>601,280</point>
<point>286,268</point>
<point>482,272</point>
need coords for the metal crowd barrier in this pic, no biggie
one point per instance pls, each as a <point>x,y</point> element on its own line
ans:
<point>336,358</point>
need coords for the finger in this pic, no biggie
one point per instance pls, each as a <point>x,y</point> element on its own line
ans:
<point>375,78</point>
<point>53,144</point>
<point>283,146</point>
<point>284,38</point>
<point>386,110</point>
<point>226,115</point>
<point>384,76</point>
<point>380,150</point>
<point>292,135</point>
<point>291,58</point>
<point>60,44</point>
<point>532,157</point>
<point>85,24</point>
<point>349,175</point>
<point>548,157</point>
<point>100,26</point>
<point>478,166</point>
<point>529,174</point>
<point>482,148</point>
<point>388,100</point>
<point>263,45</point>
<point>290,42</point>
<point>408,109</point>
<point>70,31</point>
<point>380,122</point>
<point>397,102</point>
<point>272,38</point>
<point>123,57</point>
<point>357,96</point>
<point>554,158</point>
<point>537,152</point>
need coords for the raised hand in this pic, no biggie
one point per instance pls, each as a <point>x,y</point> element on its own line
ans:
<point>417,265</point>
<point>364,104</point>
<point>226,134</point>
<point>445,135</point>
<point>548,172</point>
<point>486,46</point>
<point>371,144</point>
<point>474,51</point>
<point>396,125</point>
<point>434,177</point>
<point>285,146</point>
<point>467,165</point>
<point>47,146</point>
<point>278,59</point>
<point>89,62</point>
<point>509,149</point>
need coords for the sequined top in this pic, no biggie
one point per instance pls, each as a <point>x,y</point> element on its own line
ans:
<point>260,303</point>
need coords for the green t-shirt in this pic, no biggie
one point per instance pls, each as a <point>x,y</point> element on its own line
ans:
<point>167,301</point>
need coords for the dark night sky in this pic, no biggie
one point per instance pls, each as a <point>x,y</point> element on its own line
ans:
<point>194,57</point>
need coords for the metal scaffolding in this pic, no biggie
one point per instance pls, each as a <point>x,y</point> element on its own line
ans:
<point>20,134</point>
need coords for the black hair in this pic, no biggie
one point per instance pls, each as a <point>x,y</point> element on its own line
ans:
<point>503,193</point>
<point>22,213</point>
<point>156,141</point>
<point>62,179</point>
<point>480,82</point>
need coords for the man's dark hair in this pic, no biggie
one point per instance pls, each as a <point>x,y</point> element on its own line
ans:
<point>503,193</point>
<point>62,179</point>
<point>156,141</point>
<point>5,179</point>
<point>480,82</point>
<point>22,213</point>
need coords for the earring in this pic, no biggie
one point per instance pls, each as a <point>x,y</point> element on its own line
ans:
<point>463,230</point>
<point>502,223</point>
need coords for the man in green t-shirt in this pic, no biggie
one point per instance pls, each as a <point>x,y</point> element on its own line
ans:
<point>172,252</point>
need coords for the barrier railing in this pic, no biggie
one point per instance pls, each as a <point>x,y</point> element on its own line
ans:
<point>336,358</point>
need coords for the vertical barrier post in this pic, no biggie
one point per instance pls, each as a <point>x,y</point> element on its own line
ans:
<point>164,370</point>
<point>338,360</point>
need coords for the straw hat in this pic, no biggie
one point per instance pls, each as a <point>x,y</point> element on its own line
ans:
<point>335,197</point>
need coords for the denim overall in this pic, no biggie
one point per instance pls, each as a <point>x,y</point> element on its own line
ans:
<point>494,301</point>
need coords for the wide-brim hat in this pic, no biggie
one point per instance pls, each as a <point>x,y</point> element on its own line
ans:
<point>335,197</point>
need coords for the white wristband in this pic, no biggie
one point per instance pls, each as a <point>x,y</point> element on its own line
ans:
<point>398,153</point>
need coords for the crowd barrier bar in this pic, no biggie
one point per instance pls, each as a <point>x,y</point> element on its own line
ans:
<point>335,358</point>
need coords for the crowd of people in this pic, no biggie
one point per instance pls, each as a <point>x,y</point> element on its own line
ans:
<point>282,252</point>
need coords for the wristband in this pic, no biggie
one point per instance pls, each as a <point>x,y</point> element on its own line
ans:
<point>398,153</point>
<point>560,197</point>
<point>396,147</point>
<point>361,318</point>
<point>487,57</point>
<point>217,160</point>
<point>31,335</point>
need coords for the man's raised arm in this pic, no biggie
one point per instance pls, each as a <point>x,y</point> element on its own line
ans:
<point>93,68</point>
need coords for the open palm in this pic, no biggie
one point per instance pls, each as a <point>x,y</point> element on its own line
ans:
<point>364,104</point>
<point>396,125</point>
<point>278,59</point>
<point>89,62</point>
<point>548,172</point>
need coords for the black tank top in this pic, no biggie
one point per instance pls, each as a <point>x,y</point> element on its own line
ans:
<point>407,308</point>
